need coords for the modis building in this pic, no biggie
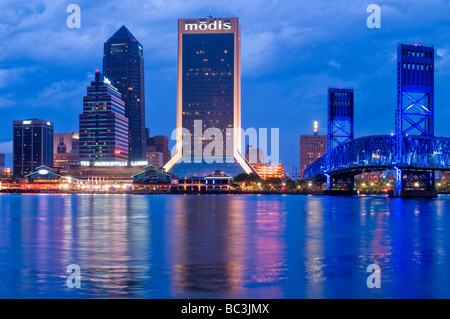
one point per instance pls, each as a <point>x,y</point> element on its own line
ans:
<point>209,94</point>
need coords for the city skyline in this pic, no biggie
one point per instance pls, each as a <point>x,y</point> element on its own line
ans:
<point>277,151</point>
<point>297,81</point>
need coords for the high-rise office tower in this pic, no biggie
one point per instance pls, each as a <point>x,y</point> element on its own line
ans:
<point>209,94</point>
<point>32,145</point>
<point>103,125</point>
<point>312,147</point>
<point>123,63</point>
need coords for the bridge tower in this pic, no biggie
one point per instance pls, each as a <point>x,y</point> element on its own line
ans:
<point>415,108</point>
<point>340,128</point>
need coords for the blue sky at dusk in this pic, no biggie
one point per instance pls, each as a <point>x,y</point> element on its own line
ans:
<point>292,51</point>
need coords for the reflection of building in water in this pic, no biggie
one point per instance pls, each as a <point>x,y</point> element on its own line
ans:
<point>269,227</point>
<point>206,235</point>
<point>111,249</point>
<point>314,249</point>
<point>224,245</point>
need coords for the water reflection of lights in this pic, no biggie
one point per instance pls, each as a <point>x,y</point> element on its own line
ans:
<point>101,239</point>
<point>236,243</point>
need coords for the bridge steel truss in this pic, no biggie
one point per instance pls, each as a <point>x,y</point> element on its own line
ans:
<point>421,156</point>
<point>415,106</point>
<point>340,127</point>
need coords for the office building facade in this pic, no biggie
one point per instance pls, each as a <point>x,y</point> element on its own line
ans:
<point>254,155</point>
<point>312,147</point>
<point>66,150</point>
<point>160,144</point>
<point>209,94</point>
<point>155,159</point>
<point>103,125</point>
<point>32,145</point>
<point>123,63</point>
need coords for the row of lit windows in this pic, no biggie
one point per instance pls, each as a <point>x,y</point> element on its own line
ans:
<point>417,66</point>
<point>208,74</point>
<point>341,94</point>
<point>207,112</point>
<point>341,103</point>
<point>421,54</point>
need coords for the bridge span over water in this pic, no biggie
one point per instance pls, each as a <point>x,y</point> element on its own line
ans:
<point>421,156</point>
<point>413,152</point>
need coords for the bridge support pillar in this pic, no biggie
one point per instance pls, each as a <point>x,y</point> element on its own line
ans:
<point>414,184</point>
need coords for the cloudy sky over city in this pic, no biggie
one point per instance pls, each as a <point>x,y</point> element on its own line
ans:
<point>292,51</point>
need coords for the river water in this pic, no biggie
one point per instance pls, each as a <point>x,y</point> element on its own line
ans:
<point>223,246</point>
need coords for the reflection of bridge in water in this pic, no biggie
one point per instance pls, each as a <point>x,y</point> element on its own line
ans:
<point>412,152</point>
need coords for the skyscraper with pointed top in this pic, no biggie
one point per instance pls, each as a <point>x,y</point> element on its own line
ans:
<point>123,62</point>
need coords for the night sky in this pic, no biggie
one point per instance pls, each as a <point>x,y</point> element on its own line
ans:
<point>292,51</point>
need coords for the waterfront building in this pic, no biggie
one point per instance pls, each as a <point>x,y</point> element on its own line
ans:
<point>103,125</point>
<point>209,94</point>
<point>46,178</point>
<point>2,161</point>
<point>217,182</point>
<point>152,178</point>
<point>93,179</point>
<point>32,145</point>
<point>123,63</point>
<point>266,171</point>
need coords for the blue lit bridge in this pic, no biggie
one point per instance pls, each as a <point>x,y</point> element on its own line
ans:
<point>413,152</point>
<point>421,157</point>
